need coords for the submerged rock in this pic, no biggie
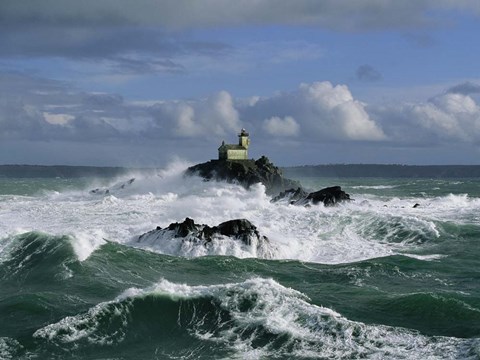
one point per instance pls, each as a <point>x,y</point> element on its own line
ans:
<point>114,188</point>
<point>327,196</point>
<point>238,229</point>
<point>245,173</point>
<point>291,195</point>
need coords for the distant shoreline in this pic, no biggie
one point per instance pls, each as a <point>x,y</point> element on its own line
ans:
<point>385,171</point>
<point>330,170</point>
<point>60,171</point>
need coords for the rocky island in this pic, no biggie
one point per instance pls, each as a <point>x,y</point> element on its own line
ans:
<point>232,237</point>
<point>238,229</point>
<point>246,173</point>
<point>234,166</point>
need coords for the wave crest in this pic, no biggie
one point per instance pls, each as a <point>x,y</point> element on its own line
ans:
<point>255,318</point>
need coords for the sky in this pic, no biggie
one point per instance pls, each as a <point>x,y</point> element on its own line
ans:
<point>147,82</point>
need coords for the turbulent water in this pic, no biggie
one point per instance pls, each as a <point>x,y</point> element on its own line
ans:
<point>374,278</point>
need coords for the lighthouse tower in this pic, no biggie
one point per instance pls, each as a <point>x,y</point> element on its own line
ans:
<point>243,139</point>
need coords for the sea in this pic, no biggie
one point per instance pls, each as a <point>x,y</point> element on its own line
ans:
<point>373,278</point>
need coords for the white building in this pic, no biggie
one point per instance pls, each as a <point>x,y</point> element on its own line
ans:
<point>235,152</point>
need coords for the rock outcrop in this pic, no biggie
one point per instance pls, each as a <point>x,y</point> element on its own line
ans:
<point>328,196</point>
<point>239,229</point>
<point>245,173</point>
<point>249,172</point>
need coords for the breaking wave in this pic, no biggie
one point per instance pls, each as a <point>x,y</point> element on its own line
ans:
<point>253,319</point>
<point>369,227</point>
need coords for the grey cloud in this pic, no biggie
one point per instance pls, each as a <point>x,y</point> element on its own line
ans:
<point>174,14</point>
<point>98,41</point>
<point>367,73</point>
<point>128,50</point>
<point>150,36</point>
<point>28,103</point>
<point>55,111</point>
<point>124,65</point>
<point>465,88</point>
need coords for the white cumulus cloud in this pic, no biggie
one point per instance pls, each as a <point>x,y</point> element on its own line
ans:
<point>281,127</point>
<point>450,116</point>
<point>337,110</point>
<point>214,116</point>
<point>321,110</point>
<point>57,119</point>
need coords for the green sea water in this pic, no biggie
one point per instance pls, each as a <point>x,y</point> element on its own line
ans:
<point>373,279</point>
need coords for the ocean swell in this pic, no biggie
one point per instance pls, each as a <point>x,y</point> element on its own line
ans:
<point>251,319</point>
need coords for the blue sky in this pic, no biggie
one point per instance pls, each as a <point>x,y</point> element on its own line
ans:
<point>139,83</point>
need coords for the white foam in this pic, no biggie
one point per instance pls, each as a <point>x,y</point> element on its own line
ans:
<point>167,243</point>
<point>431,257</point>
<point>260,306</point>
<point>376,187</point>
<point>85,243</point>
<point>369,227</point>
<point>9,348</point>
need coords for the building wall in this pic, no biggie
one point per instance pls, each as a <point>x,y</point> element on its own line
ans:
<point>237,154</point>
<point>222,155</point>
<point>244,141</point>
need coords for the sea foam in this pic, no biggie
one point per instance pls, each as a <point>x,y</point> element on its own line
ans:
<point>371,226</point>
<point>253,318</point>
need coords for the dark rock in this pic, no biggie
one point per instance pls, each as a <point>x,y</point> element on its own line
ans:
<point>238,229</point>
<point>328,196</point>
<point>291,195</point>
<point>183,229</point>
<point>249,172</point>
<point>241,229</point>
<point>245,173</point>
<point>416,205</point>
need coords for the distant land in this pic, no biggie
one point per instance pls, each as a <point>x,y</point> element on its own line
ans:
<point>388,171</point>
<point>60,171</point>
<point>331,170</point>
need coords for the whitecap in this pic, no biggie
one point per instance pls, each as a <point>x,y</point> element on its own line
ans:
<point>258,307</point>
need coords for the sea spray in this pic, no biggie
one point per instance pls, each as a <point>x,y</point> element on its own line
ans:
<point>374,278</point>
<point>369,227</point>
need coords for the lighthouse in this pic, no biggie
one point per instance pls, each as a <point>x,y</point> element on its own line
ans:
<point>235,152</point>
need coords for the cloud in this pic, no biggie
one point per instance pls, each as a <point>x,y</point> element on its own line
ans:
<point>57,119</point>
<point>322,111</point>
<point>215,116</point>
<point>36,110</point>
<point>368,73</point>
<point>447,119</point>
<point>252,55</point>
<point>121,50</point>
<point>281,127</point>
<point>150,36</point>
<point>121,30</point>
<point>465,88</point>
<point>172,14</point>
<point>450,117</point>
<point>53,110</point>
